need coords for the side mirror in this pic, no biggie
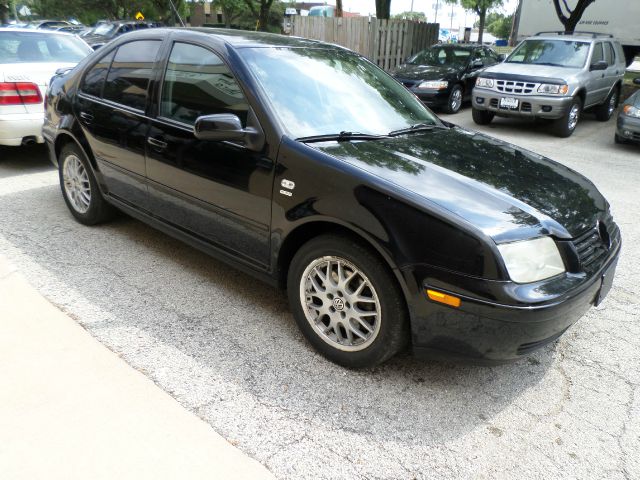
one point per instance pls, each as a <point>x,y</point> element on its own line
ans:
<point>475,64</point>
<point>601,65</point>
<point>502,57</point>
<point>222,127</point>
<point>636,81</point>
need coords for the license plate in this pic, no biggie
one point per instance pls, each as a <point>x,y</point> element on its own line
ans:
<point>606,283</point>
<point>509,102</point>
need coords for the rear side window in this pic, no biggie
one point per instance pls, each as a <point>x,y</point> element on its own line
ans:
<point>95,77</point>
<point>40,47</point>
<point>609,54</point>
<point>197,83</point>
<point>128,78</point>
<point>598,55</point>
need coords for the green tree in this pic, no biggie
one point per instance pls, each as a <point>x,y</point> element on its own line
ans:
<point>415,16</point>
<point>232,10</point>
<point>260,10</point>
<point>480,8</point>
<point>383,9</point>
<point>4,13</point>
<point>569,17</point>
<point>499,25</point>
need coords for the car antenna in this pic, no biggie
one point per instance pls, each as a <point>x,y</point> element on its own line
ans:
<point>176,12</point>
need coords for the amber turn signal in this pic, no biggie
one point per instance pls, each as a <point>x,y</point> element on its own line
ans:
<point>443,298</point>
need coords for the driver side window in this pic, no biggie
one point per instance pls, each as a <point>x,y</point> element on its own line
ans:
<point>196,83</point>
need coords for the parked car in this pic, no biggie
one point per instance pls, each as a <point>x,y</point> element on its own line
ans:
<point>28,60</point>
<point>304,164</point>
<point>49,24</point>
<point>553,76</point>
<point>443,76</point>
<point>628,127</point>
<point>107,31</point>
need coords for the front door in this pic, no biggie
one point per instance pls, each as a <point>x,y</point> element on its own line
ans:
<point>219,192</point>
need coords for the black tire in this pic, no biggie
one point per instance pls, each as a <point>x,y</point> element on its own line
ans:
<point>482,117</point>
<point>387,333</point>
<point>606,109</point>
<point>454,102</point>
<point>565,126</point>
<point>97,209</point>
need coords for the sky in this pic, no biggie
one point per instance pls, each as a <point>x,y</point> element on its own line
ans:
<point>460,17</point>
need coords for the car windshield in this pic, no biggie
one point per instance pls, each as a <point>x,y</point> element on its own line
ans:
<point>557,53</point>
<point>104,29</point>
<point>437,56</point>
<point>27,47</point>
<point>327,91</point>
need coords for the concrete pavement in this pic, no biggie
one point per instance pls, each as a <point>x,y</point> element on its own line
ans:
<point>72,409</point>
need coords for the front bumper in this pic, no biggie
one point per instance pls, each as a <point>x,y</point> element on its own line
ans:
<point>529,106</point>
<point>433,98</point>
<point>16,126</point>
<point>487,330</point>
<point>628,127</point>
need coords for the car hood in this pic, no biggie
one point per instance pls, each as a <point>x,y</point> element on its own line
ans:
<point>505,191</point>
<point>93,39</point>
<point>424,72</point>
<point>527,70</point>
<point>634,100</point>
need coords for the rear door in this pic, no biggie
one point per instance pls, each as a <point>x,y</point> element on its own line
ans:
<point>597,84</point>
<point>612,73</point>
<point>111,107</point>
<point>219,192</point>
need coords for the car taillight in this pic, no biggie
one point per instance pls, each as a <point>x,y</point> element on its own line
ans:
<point>19,93</point>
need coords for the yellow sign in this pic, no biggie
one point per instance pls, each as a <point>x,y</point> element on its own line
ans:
<point>139,16</point>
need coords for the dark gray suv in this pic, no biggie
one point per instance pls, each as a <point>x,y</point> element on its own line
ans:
<point>554,76</point>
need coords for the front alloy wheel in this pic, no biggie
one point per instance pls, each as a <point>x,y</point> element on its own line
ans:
<point>346,301</point>
<point>340,303</point>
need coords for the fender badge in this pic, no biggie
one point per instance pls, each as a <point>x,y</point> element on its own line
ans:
<point>288,184</point>
<point>286,192</point>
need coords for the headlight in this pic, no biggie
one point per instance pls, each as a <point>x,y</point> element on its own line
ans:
<point>631,111</point>
<point>532,260</point>
<point>439,85</point>
<point>484,82</point>
<point>553,89</point>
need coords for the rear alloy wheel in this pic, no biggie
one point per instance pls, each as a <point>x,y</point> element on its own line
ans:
<point>482,117</point>
<point>566,125</point>
<point>605,111</point>
<point>80,188</point>
<point>346,302</point>
<point>454,103</point>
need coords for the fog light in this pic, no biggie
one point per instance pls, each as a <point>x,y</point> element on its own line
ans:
<point>627,133</point>
<point>479,100</point>
<point>546,108</point>
<point>443,298</point>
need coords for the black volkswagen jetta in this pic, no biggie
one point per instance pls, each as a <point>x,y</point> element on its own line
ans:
<point>309,167</point>
<point>443,76</point>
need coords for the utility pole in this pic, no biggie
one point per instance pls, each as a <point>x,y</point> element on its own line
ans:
<point>437,5</point>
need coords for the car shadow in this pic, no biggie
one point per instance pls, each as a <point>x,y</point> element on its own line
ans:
<point>23,160</point>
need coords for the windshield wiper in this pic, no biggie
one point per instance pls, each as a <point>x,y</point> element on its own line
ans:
<point>343,136</point>
<point>418,127</point>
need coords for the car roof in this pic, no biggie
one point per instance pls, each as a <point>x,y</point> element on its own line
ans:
<point>237,38</point>
<point>35,31</point>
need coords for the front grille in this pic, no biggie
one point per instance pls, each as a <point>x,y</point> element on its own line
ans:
<point>525,107</point>
<point>494,102</point>
<point>510,86</point>
<point>636,136</point>
<point>593,246</point>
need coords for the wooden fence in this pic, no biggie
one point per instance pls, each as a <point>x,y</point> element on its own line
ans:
<point>386,43</point>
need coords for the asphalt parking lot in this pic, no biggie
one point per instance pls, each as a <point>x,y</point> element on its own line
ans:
<point>226,346</point>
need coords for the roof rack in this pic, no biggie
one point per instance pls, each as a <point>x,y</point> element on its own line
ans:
<point>577,32</point>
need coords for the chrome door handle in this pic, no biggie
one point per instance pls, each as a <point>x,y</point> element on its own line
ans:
<point>87,117</point>
<point>157,144</point>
